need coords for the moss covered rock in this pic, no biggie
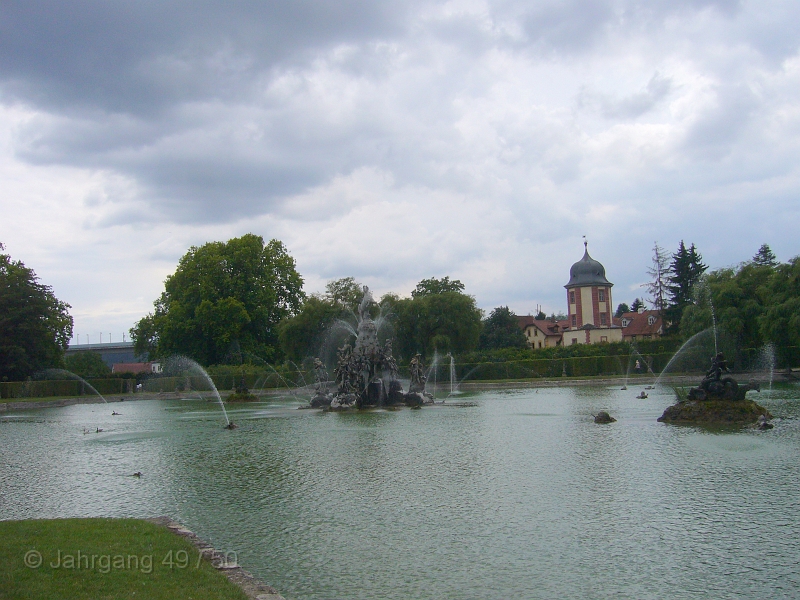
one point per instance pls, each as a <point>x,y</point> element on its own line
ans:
<point>242,397</point>
<point>717,412</point>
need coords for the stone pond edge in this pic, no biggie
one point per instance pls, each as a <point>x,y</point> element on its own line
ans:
<point>254,588</point>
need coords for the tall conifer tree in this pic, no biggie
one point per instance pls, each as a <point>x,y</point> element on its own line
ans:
<point>765,257</point>
<point>684,272</point>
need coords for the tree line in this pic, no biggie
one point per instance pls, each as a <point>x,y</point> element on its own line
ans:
<point>752,304</point>
<point>241,301</point>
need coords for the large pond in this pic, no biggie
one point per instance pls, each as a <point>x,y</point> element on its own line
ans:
<point>520,496</point>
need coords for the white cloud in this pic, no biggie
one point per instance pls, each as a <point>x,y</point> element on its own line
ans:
<point>473,139</point>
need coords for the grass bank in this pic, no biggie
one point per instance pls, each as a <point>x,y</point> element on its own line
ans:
<point>104,559</point>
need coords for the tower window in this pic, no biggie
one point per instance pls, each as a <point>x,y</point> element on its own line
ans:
<point>602,318</point>
<point>574,320</point>
<point>601,295</point>
<point>572,297</point>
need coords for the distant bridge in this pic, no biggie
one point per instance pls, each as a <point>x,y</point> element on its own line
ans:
<point>111,353</point>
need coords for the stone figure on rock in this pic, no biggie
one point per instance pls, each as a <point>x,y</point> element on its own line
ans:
<point>719,399</point>
<point>321,397</point>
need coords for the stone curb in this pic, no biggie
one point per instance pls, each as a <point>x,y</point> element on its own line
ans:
<point>252,587</point>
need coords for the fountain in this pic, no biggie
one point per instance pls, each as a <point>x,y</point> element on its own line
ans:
<point>60,373</point>
<point>719,399</point>
<point>453,382</point>
<point>241,391</point>
<point>689,355</point>
<point>366,373</point>
<point>767,361</point>
<point>180,364</point>
<point>261,382</point>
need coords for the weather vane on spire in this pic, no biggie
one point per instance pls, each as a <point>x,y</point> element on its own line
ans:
<point>585,244</point>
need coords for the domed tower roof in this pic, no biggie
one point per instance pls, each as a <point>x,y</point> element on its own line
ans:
<point>587,272</point>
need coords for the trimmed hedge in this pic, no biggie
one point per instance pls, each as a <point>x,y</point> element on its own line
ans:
<point>70,387</point>
<point>227,378</point>
<point>582,366</point>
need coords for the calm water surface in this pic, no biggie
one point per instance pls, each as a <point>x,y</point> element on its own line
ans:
<point>521,496</point>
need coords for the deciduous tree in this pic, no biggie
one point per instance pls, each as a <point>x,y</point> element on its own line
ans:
<point>501,330</point>
<point>659,271</point>
<point>87,364</point>
<point>428,287</point>
<point>225,298</point>
<point>35,326</point>
<point>302,335</point>
<point>345,292</point>
<point>446,321</point>
<point>780,322</point>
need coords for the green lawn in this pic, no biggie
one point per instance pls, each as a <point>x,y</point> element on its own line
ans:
<point>104,559</point>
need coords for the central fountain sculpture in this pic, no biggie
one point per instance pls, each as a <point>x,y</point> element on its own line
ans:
<point>366,373</point>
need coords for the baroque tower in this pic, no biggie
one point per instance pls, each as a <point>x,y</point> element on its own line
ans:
<point>589,304</point>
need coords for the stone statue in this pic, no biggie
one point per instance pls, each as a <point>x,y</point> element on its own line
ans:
<point>389,363</point>
<point>321,397</point>
<point>344,371</point>
<point>321,376</point>
<point>716,387</point>
<point>718,366</point>
<point>417,374</point>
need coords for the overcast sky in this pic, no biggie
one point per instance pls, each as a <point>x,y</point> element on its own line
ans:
<point>394,141</point>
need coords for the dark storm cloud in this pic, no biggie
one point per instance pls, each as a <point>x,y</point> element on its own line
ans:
<point>210,108</point>
<point>143,56</point>
<point>120,84</point>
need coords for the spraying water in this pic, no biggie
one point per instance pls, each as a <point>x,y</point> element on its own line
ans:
<point>693,353</point>
<point>432,370</point>
<point>299,372</point>
<point>289,388</point>
<point>453,383</point>
<point>177,364</point>
<point>705,290</point>
<point>767,361</point>
<point>714,325</point>
<point>58,373</point>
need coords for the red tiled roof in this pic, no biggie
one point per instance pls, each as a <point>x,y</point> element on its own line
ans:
<point>546,326</point>
<point>638,325</point>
